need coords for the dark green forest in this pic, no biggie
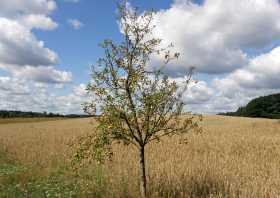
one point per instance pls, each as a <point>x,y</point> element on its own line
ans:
<point>30,114</point>
<point>262,107</point>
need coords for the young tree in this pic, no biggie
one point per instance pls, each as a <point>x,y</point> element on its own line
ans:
<point>137,105</point>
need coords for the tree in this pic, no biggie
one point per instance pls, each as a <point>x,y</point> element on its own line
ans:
<point>137,104</point>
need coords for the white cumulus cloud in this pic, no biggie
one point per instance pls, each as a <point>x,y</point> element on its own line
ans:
<point>19,46</point>
<point>75,23</point>
<point>214,36</point>
<point>12,8</point>
<point>21,53</point>
<point>72,1</point>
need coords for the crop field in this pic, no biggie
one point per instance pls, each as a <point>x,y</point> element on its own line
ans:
<point>24,120</point>
<point>233,157</point>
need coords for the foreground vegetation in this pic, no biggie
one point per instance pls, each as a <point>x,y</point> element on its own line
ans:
<point>138,104</point>
<point>234,157</point>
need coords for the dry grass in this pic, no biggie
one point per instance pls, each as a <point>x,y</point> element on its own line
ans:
<point>234,157</point>
<point>23,120</point>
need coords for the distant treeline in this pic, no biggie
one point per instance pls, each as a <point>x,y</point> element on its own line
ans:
<point>30,114</point>
<point>262,107</point>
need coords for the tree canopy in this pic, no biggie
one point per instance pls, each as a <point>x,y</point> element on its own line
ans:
<point>137,103</point>
<point>263,107</point>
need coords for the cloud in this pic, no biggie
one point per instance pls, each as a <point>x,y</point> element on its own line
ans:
<point>72,1</point>
<point>222,98</point>
<point>12,8</point>
<point>39,74</point>
<point>17,87</point>
<point>198,93</point>
<point>16,94</point>
<point>38,21</point>
<point>75,23</point>
<point>21,53</point>
<point>227,93</point>
<point>19,46</point>
<point>229,42</point>
<point>214,36</point>
<point>32,79</point>
<point>262,72</point>
<point>42,74</point>
<point>80,90</point>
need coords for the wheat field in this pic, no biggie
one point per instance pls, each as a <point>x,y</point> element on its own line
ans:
<point>233,157</point>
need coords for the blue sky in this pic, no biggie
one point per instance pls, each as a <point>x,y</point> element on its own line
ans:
<point>79,48</point>
<point>47,47</point>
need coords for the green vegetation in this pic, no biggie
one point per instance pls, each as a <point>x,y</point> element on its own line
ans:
<point>17,180</point>
<point>262,107</point>
<point>30,114</point>
<point>21,181</point>
<point>137,104</point>
<point>22,114</point>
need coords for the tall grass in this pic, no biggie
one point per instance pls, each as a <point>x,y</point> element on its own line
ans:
<point>234,157</point>
<point>24,120</point>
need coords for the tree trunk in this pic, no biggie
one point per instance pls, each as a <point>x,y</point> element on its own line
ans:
<point>142,174</point>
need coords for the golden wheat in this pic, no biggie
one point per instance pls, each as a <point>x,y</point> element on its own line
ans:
<point>233,157</point>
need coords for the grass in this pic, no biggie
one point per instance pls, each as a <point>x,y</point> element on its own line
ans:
<point>20,181</point>
<point>234,157</point>
<point>23,120</point>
